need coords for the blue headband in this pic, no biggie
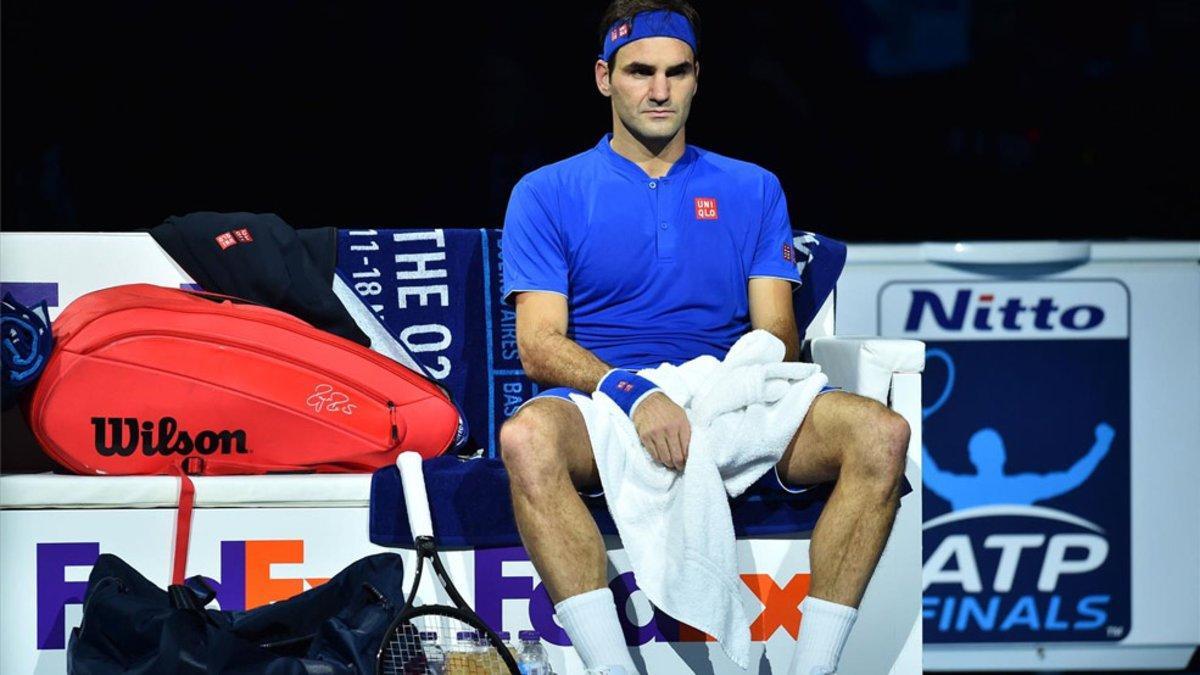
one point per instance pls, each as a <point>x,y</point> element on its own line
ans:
<point>660,23</point>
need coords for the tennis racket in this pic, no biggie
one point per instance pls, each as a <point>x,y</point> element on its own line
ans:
<point>436,639</point>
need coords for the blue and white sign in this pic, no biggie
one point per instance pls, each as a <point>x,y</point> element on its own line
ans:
<point>1026,462</point>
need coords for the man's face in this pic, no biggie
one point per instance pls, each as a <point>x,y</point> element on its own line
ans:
<point>652,84</point>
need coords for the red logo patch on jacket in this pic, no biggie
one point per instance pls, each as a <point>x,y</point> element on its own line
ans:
<point>706,208</point>
<point>225,240</point>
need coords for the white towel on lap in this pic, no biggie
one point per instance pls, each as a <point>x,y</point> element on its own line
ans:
<point>676,526</point>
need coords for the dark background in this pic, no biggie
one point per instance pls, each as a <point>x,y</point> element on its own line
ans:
<point>886,121</point>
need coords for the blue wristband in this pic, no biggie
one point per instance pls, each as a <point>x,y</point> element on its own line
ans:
<point>626,388</point>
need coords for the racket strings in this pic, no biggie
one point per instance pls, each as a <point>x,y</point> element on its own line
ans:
<point>434,644</point>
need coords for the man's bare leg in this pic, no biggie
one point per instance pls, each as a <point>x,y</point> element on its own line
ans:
<point>548,455</point>
<point>546,451</point>
<point>862,445</point>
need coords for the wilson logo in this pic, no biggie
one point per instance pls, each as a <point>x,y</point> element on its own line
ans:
<point>122,436</point>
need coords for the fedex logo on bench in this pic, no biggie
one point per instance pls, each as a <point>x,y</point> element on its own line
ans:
<point>495,586</point>
<point>245,582</point>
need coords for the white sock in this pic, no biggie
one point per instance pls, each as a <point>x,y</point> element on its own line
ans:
<point>823,633</point>
<point>590,620</point>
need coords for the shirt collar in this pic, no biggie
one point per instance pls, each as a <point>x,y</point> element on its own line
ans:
<point>627,167</point>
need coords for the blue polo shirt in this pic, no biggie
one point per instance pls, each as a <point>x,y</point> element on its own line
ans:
<point>654,269</point>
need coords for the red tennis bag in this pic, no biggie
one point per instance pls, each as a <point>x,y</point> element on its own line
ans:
<point>151,380</point>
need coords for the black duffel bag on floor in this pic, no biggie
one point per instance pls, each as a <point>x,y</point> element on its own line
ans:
<point>132,626</point>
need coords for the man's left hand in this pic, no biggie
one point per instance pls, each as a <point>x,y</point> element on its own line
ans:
<point>664,429</point>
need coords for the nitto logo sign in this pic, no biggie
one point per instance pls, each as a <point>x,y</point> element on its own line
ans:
<point>1026,457</point>
<point>988,315</point>
<point>1011,310</point>
<point>245,580</point>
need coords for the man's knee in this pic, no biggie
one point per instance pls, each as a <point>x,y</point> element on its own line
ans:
<point>528,449</point>
<point>879,444</point>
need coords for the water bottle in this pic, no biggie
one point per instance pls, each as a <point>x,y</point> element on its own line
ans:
<point>506,638</point>
<point>435,657</point>
<point>453,656</point>
<point>531,657</point>
<point>463,656</point>
<point>489,658</point>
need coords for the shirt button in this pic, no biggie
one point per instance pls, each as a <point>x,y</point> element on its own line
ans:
<point>653,185</point>
<point>663,225</point>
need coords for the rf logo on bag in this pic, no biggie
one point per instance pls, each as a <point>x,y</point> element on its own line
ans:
<point>325,398</point>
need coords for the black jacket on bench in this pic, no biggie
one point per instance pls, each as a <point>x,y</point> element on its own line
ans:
<point>261,258</point>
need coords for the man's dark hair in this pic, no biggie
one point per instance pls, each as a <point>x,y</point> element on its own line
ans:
<point>624,9</point>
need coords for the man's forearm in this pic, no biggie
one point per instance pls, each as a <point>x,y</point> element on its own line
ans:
<point>557,360</point>
<point>787,335</point>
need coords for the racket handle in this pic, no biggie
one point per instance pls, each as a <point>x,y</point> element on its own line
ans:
<point>416,501</point>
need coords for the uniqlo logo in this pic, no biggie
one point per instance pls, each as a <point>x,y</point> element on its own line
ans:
<point>789,253</point>
<point>706,208</point>
<point>242,235</point>
<point>225,240</point>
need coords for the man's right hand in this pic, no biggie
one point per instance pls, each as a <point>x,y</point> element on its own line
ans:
<point>664,429</point>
